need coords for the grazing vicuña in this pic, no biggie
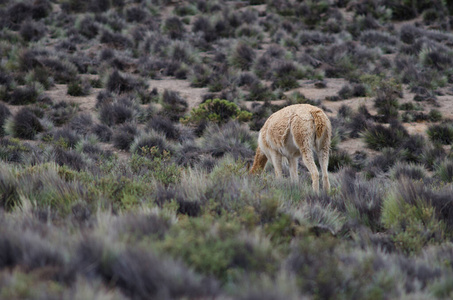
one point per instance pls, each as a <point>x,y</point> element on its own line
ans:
<point>291,132</point>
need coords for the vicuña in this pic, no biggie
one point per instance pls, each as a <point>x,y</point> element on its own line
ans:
<point>291,132</point>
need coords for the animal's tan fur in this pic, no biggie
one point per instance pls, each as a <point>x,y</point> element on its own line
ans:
<point>291,132</point>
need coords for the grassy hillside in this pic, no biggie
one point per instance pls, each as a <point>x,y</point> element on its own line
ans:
<point>126,130</point>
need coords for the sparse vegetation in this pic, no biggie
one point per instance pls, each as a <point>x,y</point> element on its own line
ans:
<point>127,129</point>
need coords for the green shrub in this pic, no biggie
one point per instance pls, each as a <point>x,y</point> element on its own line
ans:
<point>225,253</point>
<point>217,111</point>
<point>378,137</point>
<point>441,133</point>
<point>409,214</point>
<point>435,115</point>
<point>444,171</point>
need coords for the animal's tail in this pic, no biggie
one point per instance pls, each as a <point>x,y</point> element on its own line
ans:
<point>323,128</point>
<point>260,161</point>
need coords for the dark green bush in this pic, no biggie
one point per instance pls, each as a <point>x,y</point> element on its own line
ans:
<point>378,137</point>
<point>24,124</point>
<point>441,133</point>
<point>217,111</point>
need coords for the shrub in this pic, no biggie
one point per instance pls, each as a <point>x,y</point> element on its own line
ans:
<point>79,88</point>
<point>285,76</point>
<point>375,38</point>
<point>62,70</point>
<point>116,40</point>
<point>378,137</point>
<point>136,14</point>
<point>124,136</point>
<point>62,112</point>
<point>201,76</point>
<point>4,114</point>
<point>227,255</point>
<point>23,95</point>
<point>118,83</point>
<point>243,56</point>
<point>435,115</point>
<point>63,137</point>
<point>135,278</point>
<point>165,126</point>
<point>232,138</point>
<point>151,144</point>
<point>88,27</point>
<point>339,159</point>
<point>103,132</point>
<point>116,113</point>
<point>24,124</point>
<point>69,158</point>
<point>9,196</point>
<point>414,215</point>
<point>217,111</point>
<point>81,123</point>
<point>32,31</point>
<point>444,171</point>
<point>309,37</point>
<point>409,171</point>
<point>174,27</point>
<point>386,100</point>
<point>362,199</point>
<point>441,133</point>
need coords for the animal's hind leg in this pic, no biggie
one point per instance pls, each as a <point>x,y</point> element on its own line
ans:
<point>323,156</point>
<point>293,168</point>
<point>309,162</point>
<point>301,132</point>
<point>277,162</point>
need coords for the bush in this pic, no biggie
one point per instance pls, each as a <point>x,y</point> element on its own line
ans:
<point>63,137</point>
<point>88,27</point>
<point>103,132</point>
<point>232,138</point>
<point>174,27</point>
<point>4,114</point>
<point>79,88</point>
<point>62,112</point>
<point>444,171</point>
<point>435,115</point>
<point>24,124</point>
<point>415,215</point>
<point>9,198</point>
<point>285,76</point>
<point>362,199</point>
<point>124,136</point>
<point>119,84</point>
<point>165,126</point>
<point>217,111</point>
<point>116,40</point>
<point>81,123</point>
<point>23,96</point>
<point>116,113</point>
<point>32,31</point>
<point>386,100</point>
<point>339,159</point>
<point>243,56</point>
<point>133,275</point>
<point>225,254</point>
<point>151,144</point>
<point>69,158</point>
<point>441,133</point>
<point>408,171</point>
<point>378,137</point>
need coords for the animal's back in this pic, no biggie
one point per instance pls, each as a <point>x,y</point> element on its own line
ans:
<point>277,127</point>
